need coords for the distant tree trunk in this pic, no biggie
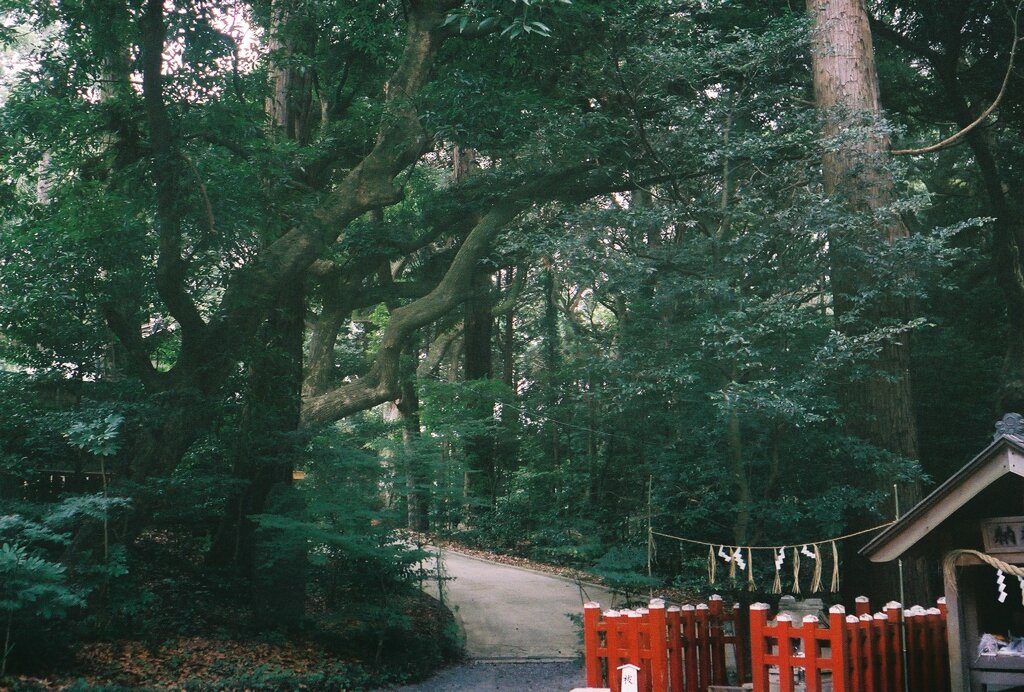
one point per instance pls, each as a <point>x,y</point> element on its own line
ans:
<point>878,409</point>
<point>481,481</point>
<point>290,101</point>
<point>417,496</point>
<point>552,349</point>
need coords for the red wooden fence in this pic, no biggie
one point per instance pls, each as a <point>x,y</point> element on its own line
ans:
<point>685,649</point>
<point>851,654</point>
<point>682,649</point>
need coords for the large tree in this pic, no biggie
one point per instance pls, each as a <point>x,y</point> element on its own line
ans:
<point>879,406</point>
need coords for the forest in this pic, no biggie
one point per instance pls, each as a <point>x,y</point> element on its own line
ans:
<point>289,288</point>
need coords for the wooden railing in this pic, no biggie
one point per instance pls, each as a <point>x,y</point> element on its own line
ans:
<point>688,649</point>
<point>682,649</point>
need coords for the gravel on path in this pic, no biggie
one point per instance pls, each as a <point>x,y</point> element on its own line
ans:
<point>523,676</point>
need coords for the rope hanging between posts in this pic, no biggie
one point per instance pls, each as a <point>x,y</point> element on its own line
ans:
<point>733,556</point>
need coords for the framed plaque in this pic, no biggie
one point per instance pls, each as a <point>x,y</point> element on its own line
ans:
<point>1003,534</point>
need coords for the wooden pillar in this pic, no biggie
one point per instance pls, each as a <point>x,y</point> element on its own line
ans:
<point>758,645</point>
<point>809,637</point>
<point>612,620</point>
<point>690,649</point>
<point>703,644</point>
<point>839,649</point>
<point>675,649</point>
<point>657,637</point>
<point>862,606</point>
<point>591,641</point>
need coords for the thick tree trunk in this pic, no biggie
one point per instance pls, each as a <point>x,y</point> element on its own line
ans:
<point>269,446</point>
<point>879,409</point>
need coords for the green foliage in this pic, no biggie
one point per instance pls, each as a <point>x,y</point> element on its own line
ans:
<point>625,569</point>
<point>98,437</point>
<point>40,582</point>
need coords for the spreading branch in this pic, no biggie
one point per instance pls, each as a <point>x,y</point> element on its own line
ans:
<point>952,139</point>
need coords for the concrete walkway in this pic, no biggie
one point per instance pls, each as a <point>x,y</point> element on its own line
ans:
<point>517,627</point>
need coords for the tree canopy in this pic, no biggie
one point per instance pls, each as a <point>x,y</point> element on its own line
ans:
<point>538,273</point>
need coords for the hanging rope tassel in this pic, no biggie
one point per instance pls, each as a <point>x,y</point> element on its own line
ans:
<point>835,569</point>
<point>712,564</point>
<point>750,571</point>
<point>796,570</point>
<point>732,564</point>
<point>777,584</point>
<point>816,578</point>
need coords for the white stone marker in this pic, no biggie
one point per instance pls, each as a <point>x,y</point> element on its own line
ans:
<point>630,678</point>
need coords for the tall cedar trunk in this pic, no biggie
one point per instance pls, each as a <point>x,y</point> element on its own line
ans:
<point>879,409</point>
<point>289,104</point>
<point>481,481</point>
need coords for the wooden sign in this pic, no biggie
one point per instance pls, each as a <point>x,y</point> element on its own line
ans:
<point>1003,534</point>
<point>630,681</point>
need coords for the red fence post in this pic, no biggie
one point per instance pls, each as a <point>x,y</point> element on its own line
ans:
<point>855,660</point>
<point>675,649</point>
<point>703,646</point>
<point>894,644</point>
<point>613,620</point>
<point>690,651</point>
<point>784,634</point>
<point>913,632</point>
<point>882,644</point>
<point>938,660</point>
<point>759,645</point>
<point>644,652</point>
<point>870,652</point>
<point>716,637</point>
<point>658,638</point>
<point>839,652</point>
<point>861,606</point>
<point>633,619</point>
<point>809,640</point>
<point>739,644</point>
<point>591,642</point>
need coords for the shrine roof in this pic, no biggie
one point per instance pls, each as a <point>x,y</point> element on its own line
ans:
<point>1003,457</point>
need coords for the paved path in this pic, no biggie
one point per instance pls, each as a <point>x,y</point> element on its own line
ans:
<point>516,625</point>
